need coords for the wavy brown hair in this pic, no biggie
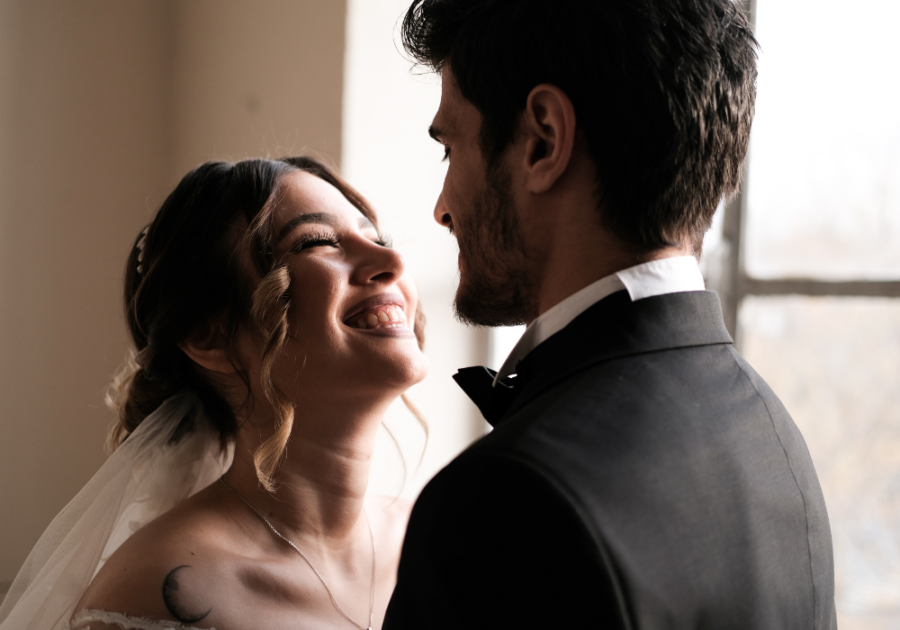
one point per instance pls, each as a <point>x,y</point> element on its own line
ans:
<point>189,268</point>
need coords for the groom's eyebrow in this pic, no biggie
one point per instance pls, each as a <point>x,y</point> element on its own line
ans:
<point>302,219</point>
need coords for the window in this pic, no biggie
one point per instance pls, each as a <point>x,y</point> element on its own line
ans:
<point>807,261</point>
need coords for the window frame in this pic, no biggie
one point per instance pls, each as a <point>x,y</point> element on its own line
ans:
<point>734,284</point>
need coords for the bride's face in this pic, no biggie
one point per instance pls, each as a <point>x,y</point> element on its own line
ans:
<point>352,303</point>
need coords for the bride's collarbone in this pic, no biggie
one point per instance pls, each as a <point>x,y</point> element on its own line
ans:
<point>197,571</point>
<point>203,590</point>
<point>203,566</point>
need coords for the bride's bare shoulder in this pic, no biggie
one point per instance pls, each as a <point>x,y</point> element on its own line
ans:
<point>169,570</point>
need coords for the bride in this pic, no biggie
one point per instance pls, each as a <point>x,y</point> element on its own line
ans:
<point>273,326</point>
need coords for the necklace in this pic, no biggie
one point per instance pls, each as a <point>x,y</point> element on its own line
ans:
<point>316,571</point>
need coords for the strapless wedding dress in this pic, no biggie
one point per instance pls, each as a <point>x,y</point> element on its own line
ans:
<point>84,619</point>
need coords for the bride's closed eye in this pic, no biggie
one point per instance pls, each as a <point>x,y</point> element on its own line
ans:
<point>330,239</point>
<point>316,239</point>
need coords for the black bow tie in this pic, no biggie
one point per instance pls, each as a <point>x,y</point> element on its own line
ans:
<point>492,401</point>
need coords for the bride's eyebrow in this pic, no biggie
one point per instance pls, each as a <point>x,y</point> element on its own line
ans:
<point>301,219</point>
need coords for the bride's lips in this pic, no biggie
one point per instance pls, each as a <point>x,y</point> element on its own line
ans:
<point>383,314</point>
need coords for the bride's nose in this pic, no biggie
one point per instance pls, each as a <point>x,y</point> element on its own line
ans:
<point>378,264</point>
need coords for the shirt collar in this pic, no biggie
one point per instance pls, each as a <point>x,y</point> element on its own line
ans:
<point>657,277</point>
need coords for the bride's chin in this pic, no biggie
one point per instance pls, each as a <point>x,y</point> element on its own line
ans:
<point>412,371</point>
<point>403,374</point>
<point>422,371</point>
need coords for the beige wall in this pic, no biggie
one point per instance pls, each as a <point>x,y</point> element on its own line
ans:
<point>256,78</point>
<point>103,106</point>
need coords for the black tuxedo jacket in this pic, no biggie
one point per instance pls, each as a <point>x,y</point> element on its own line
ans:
<point>643,477</point>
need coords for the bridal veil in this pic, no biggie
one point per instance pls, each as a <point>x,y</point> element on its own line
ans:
<point>146,476</point>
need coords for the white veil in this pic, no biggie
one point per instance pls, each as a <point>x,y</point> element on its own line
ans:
<point>143,478</point>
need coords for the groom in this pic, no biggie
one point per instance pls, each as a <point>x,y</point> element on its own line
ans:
<point>640,474</point>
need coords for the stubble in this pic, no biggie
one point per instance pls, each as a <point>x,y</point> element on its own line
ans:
<point>495,288</point>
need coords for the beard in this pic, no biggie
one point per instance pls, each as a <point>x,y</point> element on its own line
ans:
<point>495,286</point>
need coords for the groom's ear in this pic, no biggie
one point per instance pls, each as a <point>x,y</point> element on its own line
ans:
<point>206,346</point>
<point>548,125</point>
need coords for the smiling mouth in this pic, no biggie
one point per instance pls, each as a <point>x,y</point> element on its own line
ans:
<point>382,316</point>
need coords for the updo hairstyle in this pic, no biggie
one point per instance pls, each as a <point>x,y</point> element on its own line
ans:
<point>189,268</point>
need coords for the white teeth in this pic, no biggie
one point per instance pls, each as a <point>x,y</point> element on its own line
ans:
<point>390,317</point>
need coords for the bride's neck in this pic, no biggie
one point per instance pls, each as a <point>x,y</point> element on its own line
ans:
<point>321,485</point>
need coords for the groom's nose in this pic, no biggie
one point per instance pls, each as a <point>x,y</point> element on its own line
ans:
<point>440,213</point>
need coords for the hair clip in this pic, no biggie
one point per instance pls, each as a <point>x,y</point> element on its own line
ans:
<point>140,246</point>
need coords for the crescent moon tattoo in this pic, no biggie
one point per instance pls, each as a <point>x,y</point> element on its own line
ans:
<point>170,597</point>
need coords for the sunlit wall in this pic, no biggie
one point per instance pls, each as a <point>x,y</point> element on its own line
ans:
<point>389,156</point>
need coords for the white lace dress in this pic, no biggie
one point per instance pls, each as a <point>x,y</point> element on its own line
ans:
<point>84,619</point>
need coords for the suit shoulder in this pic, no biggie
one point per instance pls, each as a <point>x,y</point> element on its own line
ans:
<point>499,486</point>
<point>487,465</point>
<point>492,530</point>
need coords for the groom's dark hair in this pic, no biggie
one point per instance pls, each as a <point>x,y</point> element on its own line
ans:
<point>663,92</point>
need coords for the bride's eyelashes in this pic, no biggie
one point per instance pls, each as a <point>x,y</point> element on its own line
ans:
<point>330,239</point>
<point>315,239</point>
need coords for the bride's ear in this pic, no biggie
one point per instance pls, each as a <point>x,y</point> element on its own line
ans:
<point>206,347</point>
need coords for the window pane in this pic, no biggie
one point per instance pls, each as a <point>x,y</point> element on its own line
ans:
<point>824,182</point>
<point>835,363</point>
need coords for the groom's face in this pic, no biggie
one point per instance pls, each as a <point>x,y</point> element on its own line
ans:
<point>477,204</point>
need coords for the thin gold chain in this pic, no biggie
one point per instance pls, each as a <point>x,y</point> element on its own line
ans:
<point>311,566</point>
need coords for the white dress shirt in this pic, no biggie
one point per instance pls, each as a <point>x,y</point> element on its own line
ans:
<point>657,277</point>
